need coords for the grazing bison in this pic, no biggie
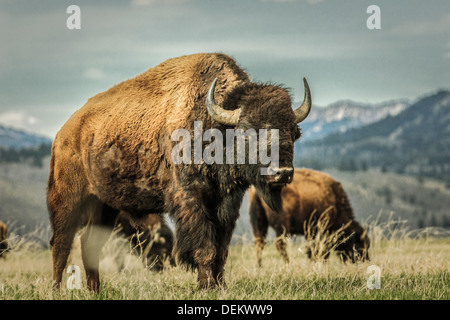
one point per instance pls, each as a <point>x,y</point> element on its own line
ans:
<point>3,241</point>
<point>310,196</point>
<point>115,153</point>
<point>151,238</point>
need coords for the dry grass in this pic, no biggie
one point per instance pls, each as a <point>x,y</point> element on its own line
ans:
<point>321,242</point>
<point>414,265</point>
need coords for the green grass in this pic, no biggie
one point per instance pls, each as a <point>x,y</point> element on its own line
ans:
<point>410,269</point>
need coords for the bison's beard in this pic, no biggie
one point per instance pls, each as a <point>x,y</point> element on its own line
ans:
<point>271,195</point>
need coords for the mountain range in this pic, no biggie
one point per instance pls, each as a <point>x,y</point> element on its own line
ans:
<point>416,140</point>
<point>11,138</point>
<point>345,115</point>
<point>398,135</point>
<point>363,146</point>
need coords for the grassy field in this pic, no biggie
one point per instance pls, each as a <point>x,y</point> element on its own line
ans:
<point>410,268</point>
<point>413,265</point>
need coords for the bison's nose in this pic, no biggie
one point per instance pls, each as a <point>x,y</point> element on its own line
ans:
<point>284,175</point>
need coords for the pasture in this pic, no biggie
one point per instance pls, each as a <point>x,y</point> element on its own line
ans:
<point>413,265</point>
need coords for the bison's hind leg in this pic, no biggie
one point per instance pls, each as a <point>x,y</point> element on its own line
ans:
<point>259,245</point>
<point>260,226</point>
<point>281,245</point>
<point>97,232</point>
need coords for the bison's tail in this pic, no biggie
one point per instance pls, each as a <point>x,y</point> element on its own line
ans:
<point>50,187</point>
<point>51,179</point>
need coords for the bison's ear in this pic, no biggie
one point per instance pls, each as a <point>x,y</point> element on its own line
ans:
<point>226,117</point>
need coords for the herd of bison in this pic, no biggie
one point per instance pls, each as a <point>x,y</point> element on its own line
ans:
<point>111,168</point>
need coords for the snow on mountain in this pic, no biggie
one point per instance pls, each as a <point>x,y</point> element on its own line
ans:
<point>414,141</point>
<point>344,115</point>
<point>11,138</point>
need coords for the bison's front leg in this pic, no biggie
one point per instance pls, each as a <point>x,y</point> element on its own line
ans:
<point>213,273</point>
<point>204,259</point>
<point>195,235</point>
<point>205,277</point>
<point>227,214</point>
<point>203,234</point>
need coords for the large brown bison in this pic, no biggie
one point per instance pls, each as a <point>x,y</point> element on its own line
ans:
<point>115,153</point>
<point>311,196</point>
<point>3,239</point>
<point>151,238</point>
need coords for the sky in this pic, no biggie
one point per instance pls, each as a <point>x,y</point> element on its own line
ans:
<point>48,71</point>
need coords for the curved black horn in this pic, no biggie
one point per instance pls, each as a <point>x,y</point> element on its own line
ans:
<point>226,117</point>
<point>302,112</point>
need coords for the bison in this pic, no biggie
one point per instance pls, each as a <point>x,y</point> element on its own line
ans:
<point>151,238</point>
<point>311,196</point>
<point>3,239</point>
<point>115,153</point>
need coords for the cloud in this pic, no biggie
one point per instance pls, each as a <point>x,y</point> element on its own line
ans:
<point>285,1</point>
<point>19,119</point>
<point>94,74</point>
<point>45,120</point>
<point>279,1</point>
<point>139,3</point>
<point>438,25</point>
<point>145,3</point>
<point>447,54</point>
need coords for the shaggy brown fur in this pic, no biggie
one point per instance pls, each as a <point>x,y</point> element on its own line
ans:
<point>3,241</point>
<point>311,192</point>
<point>115,154</point>
<point>151,238</point>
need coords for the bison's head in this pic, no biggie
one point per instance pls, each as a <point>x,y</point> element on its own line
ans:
<point>356,248</point>
<point>264,113</point>
<point>4,248</point>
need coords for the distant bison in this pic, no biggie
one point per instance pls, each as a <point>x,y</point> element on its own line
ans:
<point>116,153</point>
<point>151,238</point>
<point>310,196</point>
<point>3,239</point>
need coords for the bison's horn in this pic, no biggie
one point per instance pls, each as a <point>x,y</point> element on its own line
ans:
<point>302,112</point>
<point>226,117</point>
